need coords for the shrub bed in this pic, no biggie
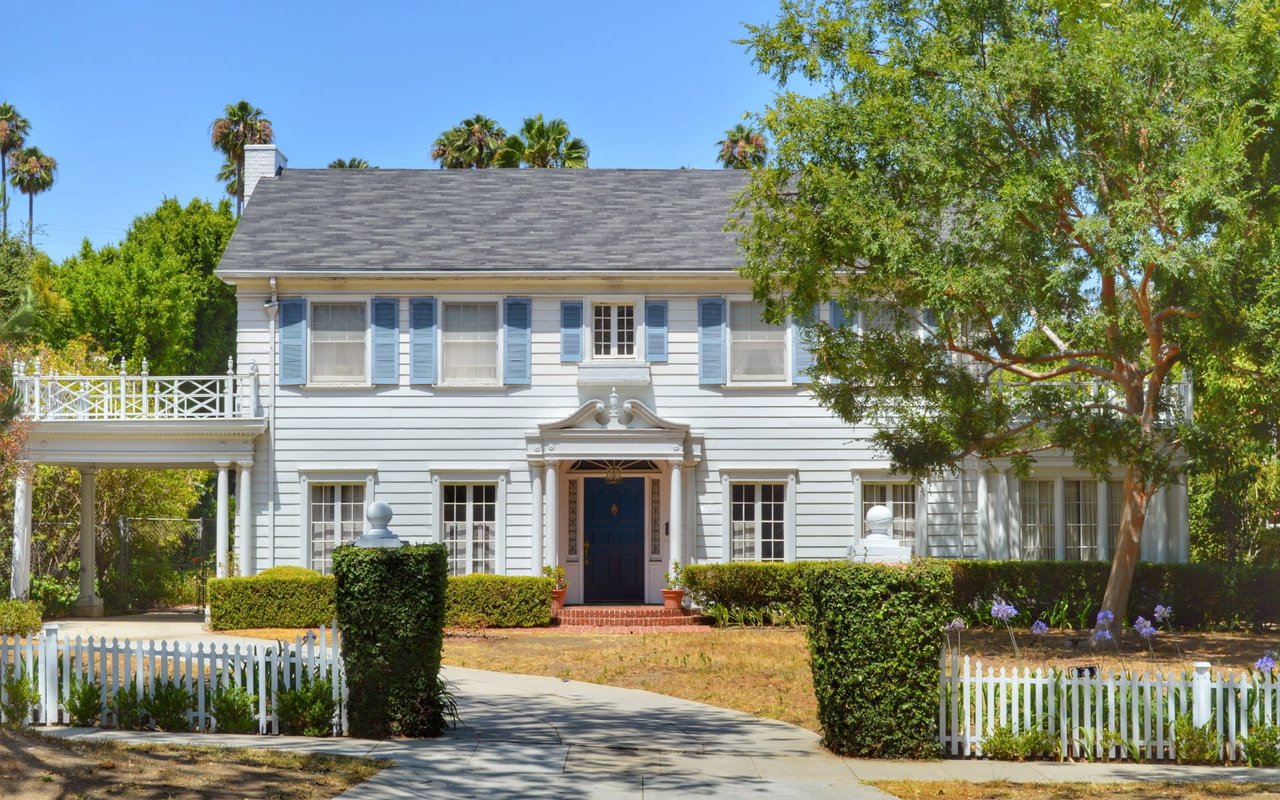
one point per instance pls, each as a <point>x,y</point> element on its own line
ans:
<point>498,601</point>
<point>390,606</point>
<point>873,643</point>
<point>19,617</point>
<point>281,597</point>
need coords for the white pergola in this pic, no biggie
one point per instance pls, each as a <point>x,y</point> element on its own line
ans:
<point>138,421</point>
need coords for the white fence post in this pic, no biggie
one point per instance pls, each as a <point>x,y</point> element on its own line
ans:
<point>47,683</point>
<point>1201,706</point>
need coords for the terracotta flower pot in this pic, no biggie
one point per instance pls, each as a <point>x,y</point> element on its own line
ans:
<point>672,598</point>
<point>557,599</point>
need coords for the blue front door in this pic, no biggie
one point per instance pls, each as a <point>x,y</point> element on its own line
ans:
<point>613,529</point>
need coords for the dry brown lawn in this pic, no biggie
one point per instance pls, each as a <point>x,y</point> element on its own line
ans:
<point>958,790</point>
<point>1173,651</point>
<point>33,767</point>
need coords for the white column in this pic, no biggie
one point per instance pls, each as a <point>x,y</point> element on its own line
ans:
<point>676,514</point>
<point>245,534</point>
<point>224,533</point>
<point>1104,520</point>
<point>1179,525</point>
<point>553,514</point>
<point>20,582</point>
<point>536,529</point>
<point>986,548</point>
<point>1060,518</point>
<point>88,604</point>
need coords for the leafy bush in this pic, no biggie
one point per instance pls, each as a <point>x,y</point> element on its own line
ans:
<point>1262,746</point>
<point>1003,744</point>
<point>873,642</point>
<point>56,594</point>
<point>233,709</point>
<point>1195,745</point>
<point>498,601</point>
<point>168,706</point>
<point>19,617</point>
<point>127,707</point>
<point>84,703</point>
<point>20,698</point>
<point>307,710</point>
<point>281,597</point>
<point>391,607</point>
<point>719,589</point>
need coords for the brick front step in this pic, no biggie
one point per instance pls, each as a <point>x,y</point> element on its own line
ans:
<point>638,616</point>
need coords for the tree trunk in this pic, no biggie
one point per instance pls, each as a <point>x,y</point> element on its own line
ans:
<point>1128,546</point>
<point>31,220</point>
<point>4,193</point>
<point>239,186</point>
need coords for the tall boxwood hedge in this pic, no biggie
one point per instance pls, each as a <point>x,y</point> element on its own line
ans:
<point>498,601</point>
<point>281,597</point>
<point>873,645</point>
<point>391,612</point>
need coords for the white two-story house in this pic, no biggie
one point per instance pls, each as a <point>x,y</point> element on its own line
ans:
<point>565,367</point>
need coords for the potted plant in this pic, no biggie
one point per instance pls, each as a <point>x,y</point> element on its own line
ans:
<point>673,595</point>
<point>559,586</point>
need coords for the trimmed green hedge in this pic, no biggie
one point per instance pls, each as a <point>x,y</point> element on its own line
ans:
<point>391,612</point>
<point>19,617</point>
<point>281,597</point>
<point>498,601</point>
<point>1060,592</point>
<point>873,645</point>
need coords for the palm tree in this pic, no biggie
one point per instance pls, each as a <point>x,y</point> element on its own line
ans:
<point>227,175</point>
<point>33,173</point>
<point>13,132</point>
<point>349,163</point>
<point>242,124</point>
<point>544,144</point>
<point>742,147</point>
<point>474,142</point>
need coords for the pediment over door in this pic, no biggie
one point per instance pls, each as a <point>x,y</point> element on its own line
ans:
<point>613,429</point>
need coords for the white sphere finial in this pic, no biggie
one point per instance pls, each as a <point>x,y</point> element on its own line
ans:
<point>879,521</point>
<point>378,535</point>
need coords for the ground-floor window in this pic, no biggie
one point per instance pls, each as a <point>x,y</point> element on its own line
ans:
<point>1036,504</point>
<point>337,517</point>
<point>470,529</point>
<point>758,521</point>
<point>1081,500</point>
<point>900,498</point>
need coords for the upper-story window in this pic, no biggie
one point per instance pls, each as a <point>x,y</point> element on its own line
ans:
<point>757,350</point>
<point>338,335</point>
<point>613,330</point>
<point>469,340</point>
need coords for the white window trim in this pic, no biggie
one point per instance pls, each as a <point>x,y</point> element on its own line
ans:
<point>788,370</point>
<point>340,299</point>
<point>325,476</point>
<point>732,475</point>
<point>441,302</point>
<point>921,545</point>
<point>496,476</point>
<point>589,302</point>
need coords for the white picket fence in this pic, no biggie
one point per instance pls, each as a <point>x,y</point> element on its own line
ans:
<point>262,669</point>
<point>1098,715</point>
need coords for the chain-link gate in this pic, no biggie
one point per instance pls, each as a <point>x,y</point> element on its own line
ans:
<point>160,562</point>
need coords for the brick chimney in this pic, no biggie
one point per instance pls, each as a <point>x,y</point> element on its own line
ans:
<point>261,161</point>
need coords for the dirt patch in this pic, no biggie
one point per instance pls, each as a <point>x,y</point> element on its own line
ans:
<point>34,767</point>
<point>1172,651</point>
<point>959,790</point>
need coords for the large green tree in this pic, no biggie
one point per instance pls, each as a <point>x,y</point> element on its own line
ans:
<point>472,143</point>
<point>33,173</point>
<point>154,295</point>
<point>1052,210</point>
<point>241,124</point>
<point>13,132</point>
<point>543,144</point>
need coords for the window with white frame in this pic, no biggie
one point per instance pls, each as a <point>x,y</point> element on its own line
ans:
<point>337,516</point>
<point>613,330</point>
<point>1081,501</point>
<point>757,350</point>
<point>898,497</point>
<point>470,526</point>
<point>1115,507</point>
<point>1038,527</point>
<point>758,518</point>
<point>469,344</point>
<point>338,336</point>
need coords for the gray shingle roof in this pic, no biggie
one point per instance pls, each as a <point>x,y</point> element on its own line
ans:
<point>336,220</point>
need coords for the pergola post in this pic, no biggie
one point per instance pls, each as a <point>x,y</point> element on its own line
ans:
<point>244,510</point>
<point>88,604</point>
<point>20,574</point>
<point>223,541</point>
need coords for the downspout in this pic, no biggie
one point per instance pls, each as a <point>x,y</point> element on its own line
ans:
<point>272,308</point>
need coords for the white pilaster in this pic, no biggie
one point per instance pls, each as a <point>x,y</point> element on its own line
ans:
<point>553,513</point>
<point>223,541</point>
<point>537,545</point>
<point>20,582</point>
<point>1060,518</point>
<point>245,535</point>
<point>986,546</point>
<point>1104,520</point>
<point>88,604</point>
<point>675,514</point>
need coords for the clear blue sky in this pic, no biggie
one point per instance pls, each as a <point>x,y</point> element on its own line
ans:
<point>122,94</point>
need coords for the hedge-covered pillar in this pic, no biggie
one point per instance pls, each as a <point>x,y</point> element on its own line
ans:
<point>390,605</point>
<point>874,637</point>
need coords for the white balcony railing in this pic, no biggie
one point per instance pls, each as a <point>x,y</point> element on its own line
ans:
<point>50,397</point>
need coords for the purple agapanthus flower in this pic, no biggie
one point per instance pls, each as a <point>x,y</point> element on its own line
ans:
<point>1144,628</point>
<point>1105,617</point>
<point>1163,613</point>
<point>955,626</point>
<point>1039,628</point>
<point>1102,635</point>
<point>1267,663</point>
<point>1003,611</point>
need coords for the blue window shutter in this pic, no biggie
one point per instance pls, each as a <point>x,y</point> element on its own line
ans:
<point>517,367</point>
<point>422,340</point>
<point>655,331</point>
<point>837,314</point>
<point>386,340</point>
<point>801,346</point>
<point>293,342</point>
<point>711,366</point>
<point>571,331</point>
